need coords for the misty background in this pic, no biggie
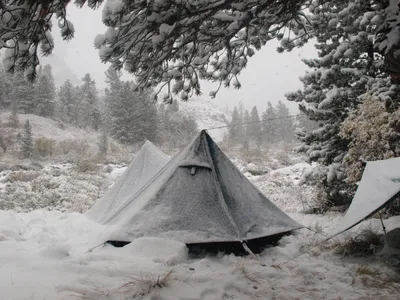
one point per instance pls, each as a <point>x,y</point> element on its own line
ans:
<point>268,76</point>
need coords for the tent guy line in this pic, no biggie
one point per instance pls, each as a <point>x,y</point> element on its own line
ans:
<point>252,122</point>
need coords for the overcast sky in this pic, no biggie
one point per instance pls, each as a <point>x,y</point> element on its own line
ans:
<point>268,76</point>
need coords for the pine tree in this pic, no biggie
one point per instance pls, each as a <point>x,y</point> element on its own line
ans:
<point>89,104</point>
<point>254,128</point>
<point>145,115</point>
<point>285,125</point>
<point>45,91</point>
<point>5,89</point>
<point>235,132</point>
<point>133,116</point>
<point>346,62</point>
<point>13,118</point>
<point>246,126</point>
<point>113,79</point>
<point>26,140</point>
<point>269,125</point>
<point>67,103</point>
<point>22,94</point>
<point>178,130</point>
<point>304,124</point>
<point>103,143</point>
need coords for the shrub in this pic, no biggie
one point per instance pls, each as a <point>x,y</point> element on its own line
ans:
<point>74,146</point>
<point>44,146</point>
<point>22,176</point>
<point>86,166</point>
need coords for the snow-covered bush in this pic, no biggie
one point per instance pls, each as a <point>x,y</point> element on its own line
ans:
<point>44,146</point>
<point>374,133</point>
<point>86,166</point>
<point>54,188</point>
<point>22,176</point>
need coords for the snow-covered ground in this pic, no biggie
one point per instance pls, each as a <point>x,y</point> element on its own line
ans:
<point>49,255</point>
<point>45,255</point>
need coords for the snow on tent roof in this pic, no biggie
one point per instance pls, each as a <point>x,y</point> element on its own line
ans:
<point>199,197</point>
<point>379,185</point>
<point>146,164</point>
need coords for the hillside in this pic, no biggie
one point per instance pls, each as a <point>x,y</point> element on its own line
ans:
<point>61,71</point>
<point>207,115</point>
<point>48,128</point>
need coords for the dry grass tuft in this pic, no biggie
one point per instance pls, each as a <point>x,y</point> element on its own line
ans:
<point>375,278</point>
<point>365,270</point>
<point>136,288</point>
<point>358,246</point>
<point>316,228</point>
<point>148,282</point>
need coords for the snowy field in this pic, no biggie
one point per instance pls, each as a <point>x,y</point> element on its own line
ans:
<point>46,255</point>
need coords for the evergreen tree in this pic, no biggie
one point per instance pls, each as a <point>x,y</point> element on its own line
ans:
<point>184,38</point>
<point>285,125</point>
<point>178,129</point>
<point>45,91</point>
<point>235,132</point>
<point>254,128</point>
<point>26,140</point>
<point>304,124</point>
<point>103,143</point>
<point>133,117</point>
<point>245,128</point>
<point>346,62</point>
<point>269,125</point>
<point>113,79</point>
<point>13,118</point>
<point>89,104</point>
<point>22,94</point>
<point>67,103</point>
<point>242,128</point>
<point>5,89</point>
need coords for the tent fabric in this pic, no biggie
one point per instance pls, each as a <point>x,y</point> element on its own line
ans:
<point>199,197</point>
<point>146,164</point>
<point>379,185</point>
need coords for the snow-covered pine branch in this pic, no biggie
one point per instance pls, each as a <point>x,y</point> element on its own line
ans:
<point>25,29</point>
<point>177,43</point>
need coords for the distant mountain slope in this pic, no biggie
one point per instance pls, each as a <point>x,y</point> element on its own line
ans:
<point>61,71</point>
<point>207,115</point>
<point>43,127</point>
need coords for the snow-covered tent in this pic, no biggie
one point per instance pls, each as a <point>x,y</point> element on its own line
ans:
<point>143,167</point>
<point>379,185</point>
<point>199,198</point>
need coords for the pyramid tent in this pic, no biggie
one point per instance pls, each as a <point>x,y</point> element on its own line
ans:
<point>379,185</point>
<point>146,164</point>
<point>199,197</point>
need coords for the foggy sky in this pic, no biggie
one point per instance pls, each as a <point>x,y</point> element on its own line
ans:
<point>268,76</point>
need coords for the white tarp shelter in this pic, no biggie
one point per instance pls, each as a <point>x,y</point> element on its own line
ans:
<point>199,197</point>
<point>379,185</point>
<point>143,167</point>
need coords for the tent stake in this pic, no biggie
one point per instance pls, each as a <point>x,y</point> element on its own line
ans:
<point>247,249</point>
<point>383,225</point>
<point>91,249</point>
